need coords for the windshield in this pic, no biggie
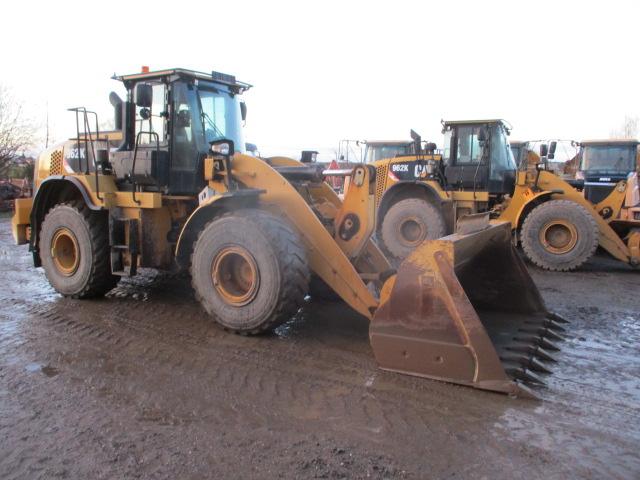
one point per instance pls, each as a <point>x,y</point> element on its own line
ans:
<point>516,151</point>
<point>221,117</point>
<point>608,159</point>
<point>380,152</point>
<point>502,160</point>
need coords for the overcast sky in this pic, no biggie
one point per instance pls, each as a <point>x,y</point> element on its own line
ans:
<point>324,70</point>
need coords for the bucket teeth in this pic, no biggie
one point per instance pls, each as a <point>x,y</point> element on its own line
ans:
<point>553,335</point>
<point>548,345</point>
<point>542,354</point>
<point>546,323</point>
<point>536,366</point>
<point>555,326</point>
<point>526,376</point>
<point>525,362</point>
<point>556,317</point>
<point>534,351</point>
<point>533,340</point>
<point>542,332</point>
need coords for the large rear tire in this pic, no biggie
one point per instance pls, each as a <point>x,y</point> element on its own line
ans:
<point>74,249</point>
<point>407,224</point>
<point>249,271</point>
<point>559,235</point>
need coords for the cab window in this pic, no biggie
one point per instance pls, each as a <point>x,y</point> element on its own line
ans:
<point>153,119</point>
<point>468,149</point>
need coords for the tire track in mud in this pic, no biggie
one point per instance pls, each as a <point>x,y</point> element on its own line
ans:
<point>314,391</point>
<point>308,379</point>
<point>194,332</point>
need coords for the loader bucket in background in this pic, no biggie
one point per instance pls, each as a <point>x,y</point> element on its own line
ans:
<point>464,309</point>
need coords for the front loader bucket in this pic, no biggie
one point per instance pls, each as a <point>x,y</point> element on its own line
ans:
<point>464,309</point>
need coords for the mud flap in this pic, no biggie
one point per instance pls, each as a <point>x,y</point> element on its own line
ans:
<point>464,309</point>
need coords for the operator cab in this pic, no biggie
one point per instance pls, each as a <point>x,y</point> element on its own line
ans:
<point>477,156</point>
<point>168,122</point>
<point>603,163</point>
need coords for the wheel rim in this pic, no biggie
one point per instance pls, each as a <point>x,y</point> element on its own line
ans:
<point>559,236</point>
<point>411,231</point>
<point>235,275</point>
<point>65,251</point>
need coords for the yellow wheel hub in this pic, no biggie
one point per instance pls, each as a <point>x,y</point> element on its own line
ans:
<point>65,251</point>
<point>559,236</point>
<point>235,275</point>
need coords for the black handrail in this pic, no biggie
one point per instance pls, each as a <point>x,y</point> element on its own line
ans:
<point>88,140</point>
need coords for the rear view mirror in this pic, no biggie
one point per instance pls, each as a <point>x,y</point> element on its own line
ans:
<point>482,134</point>
<point>243,111</point>
<point>144,95</point>
<point>223,147</point>
<point>543,150</point>
<point>552,150</point>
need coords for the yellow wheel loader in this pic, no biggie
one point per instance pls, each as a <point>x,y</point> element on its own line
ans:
<point>178,192</point>
<point>426,195</point>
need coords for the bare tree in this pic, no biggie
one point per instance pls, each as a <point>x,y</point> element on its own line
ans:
<point>629,129</point>
<point>17,133</point>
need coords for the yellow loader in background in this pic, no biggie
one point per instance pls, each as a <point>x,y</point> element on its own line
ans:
<point>179,192</point>
<point>427,195</point>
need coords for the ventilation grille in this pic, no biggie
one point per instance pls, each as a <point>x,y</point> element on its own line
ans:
<point>56,163</point>
<point>381,181</point>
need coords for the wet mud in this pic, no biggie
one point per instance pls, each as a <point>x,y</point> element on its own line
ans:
<point>141,384</point>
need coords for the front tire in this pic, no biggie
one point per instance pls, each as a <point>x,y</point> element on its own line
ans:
<point>74,249</point>
<point>407,224</point>
<point>559,235</point>
<point>249,271</point>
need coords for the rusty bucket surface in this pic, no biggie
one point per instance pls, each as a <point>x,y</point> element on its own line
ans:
<point>464,309</point>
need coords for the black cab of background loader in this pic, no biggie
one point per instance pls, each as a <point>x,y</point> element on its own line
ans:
<point>168,121</point>
<point>477,156</point>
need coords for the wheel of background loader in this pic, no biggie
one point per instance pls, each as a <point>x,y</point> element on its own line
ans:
<point>249,271</point>
<point>407,224</point>
<point>74,248</point>
<point>559,235</point>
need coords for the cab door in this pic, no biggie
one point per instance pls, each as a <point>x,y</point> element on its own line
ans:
<point>467,162</point>
<point>186,177</point>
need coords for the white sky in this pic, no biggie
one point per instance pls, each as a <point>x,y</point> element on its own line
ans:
<point>325,70</point>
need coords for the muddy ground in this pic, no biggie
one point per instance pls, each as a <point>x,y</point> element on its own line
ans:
<point>142,385</point>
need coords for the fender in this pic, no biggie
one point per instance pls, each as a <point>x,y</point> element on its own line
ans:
<point>524,200</point>
<point>213,207</point>
<point>52,189</point>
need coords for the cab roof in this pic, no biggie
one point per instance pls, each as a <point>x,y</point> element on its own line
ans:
<point>504,123</point>
<point>213,76</point>
<point>473,122</point>
<point>377,143</point>
<point>610,141</point>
